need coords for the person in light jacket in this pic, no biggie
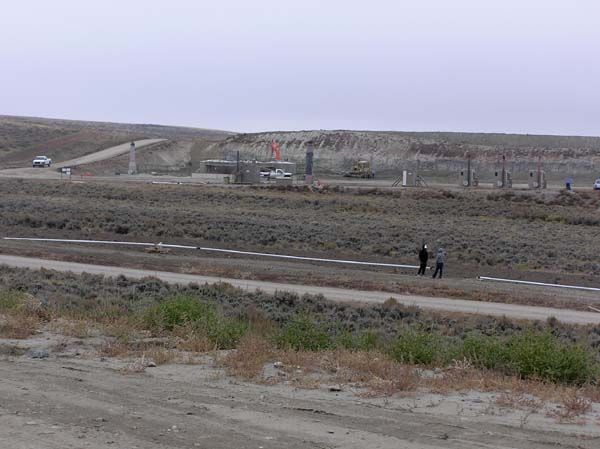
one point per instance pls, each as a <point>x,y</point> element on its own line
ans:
<point>440,258</point>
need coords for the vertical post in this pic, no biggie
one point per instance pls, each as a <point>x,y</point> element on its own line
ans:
<point>132,166</point>
<point>503,171</point>
<point>308,178</point>
<point>237,169</point>
<point>417,183</point>
<point>539,172</point>
<point>468,169</point>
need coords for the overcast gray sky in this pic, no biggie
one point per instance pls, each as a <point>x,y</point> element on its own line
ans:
<point>528,66</point>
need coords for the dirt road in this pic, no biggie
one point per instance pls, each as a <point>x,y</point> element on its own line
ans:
<point>108,153</point>
<point>335,294</point>
<point>75,399</point>
<point>52,173</point>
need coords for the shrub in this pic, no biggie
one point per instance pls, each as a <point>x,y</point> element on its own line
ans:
<point>302,333</point>
<point>199,318</point>
<point>10,300</point>
<point>364,341</point>
<point>543,356</point>
<point>418,347</point>
<point>484,352</point>
<point>179,311</point>
<point>532,355</point>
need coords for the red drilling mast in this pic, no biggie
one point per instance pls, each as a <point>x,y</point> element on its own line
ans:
<point>275,151</point>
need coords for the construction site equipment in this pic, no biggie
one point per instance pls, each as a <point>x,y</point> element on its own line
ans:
<point>275,151</point>
<point>361,169</point>
<point>537,180</point>
<point>274,173</point>
<point>132,165</point>
<point>468,178</point>
<point>409,179</point>
<point>503,180</point>
<point>240,171</point>
<point>308,173</point>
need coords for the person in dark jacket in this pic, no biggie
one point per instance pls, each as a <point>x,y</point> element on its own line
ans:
<point>423,257</point>
<point>440,258</point>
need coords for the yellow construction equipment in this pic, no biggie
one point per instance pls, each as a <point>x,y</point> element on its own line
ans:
<point>361,169</point>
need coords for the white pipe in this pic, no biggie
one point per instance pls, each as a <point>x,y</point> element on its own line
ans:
<point>542,284</point>
<point>105,242</point>
<point>229,251</point>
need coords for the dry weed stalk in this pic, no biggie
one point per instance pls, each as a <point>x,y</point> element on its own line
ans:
<point>18,326</point>
<point>72,328</point>
<point>572,406</point>
<point>248,360</point>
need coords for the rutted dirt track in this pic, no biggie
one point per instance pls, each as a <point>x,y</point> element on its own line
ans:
<point>75,403</point>
<point>335,294</point>
<point>51,173</point>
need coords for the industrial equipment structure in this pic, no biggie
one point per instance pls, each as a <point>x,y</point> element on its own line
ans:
<point>241,172</point>
<point>410,178</point>
<point>275,151</point>
<point>361,169</point>
<point>132,165</point>
<point>468,177</point>
<point>503,178</point>
<point>308,172</point>
<point>537,179</point>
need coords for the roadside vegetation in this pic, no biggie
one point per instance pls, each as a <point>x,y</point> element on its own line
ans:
<point>381,347</point>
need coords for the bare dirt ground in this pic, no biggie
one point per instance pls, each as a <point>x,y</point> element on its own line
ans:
<point>78,398</point>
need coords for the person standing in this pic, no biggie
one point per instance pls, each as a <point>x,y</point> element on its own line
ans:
<point>423,257</point>
<point>569,183</point>
<point>440,258</point>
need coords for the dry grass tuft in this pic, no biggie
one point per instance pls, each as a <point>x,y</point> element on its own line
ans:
<point>572,406</point>
<point>160,356</point>
<point>248,360</point>
<point>519,401</point>
<point>375,371</point>
<point>186,338</point>
<point>18,326</point>
<point>122,329</point>
<point>115,348</point>
<point>73,328</point>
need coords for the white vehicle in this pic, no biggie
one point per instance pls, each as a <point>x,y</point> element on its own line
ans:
<point>42,161</point>
<point>275,174</point>
<point>597,184</point>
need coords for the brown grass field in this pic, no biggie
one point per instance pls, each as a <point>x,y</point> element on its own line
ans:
<point>551,236</point>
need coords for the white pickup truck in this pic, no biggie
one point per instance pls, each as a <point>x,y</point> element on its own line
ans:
<point>42,161</point>
<point>275,174</point>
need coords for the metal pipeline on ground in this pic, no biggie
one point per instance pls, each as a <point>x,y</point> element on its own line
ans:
<point>289,257</point>
<point>219,250</point>
<point>540,284</point>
